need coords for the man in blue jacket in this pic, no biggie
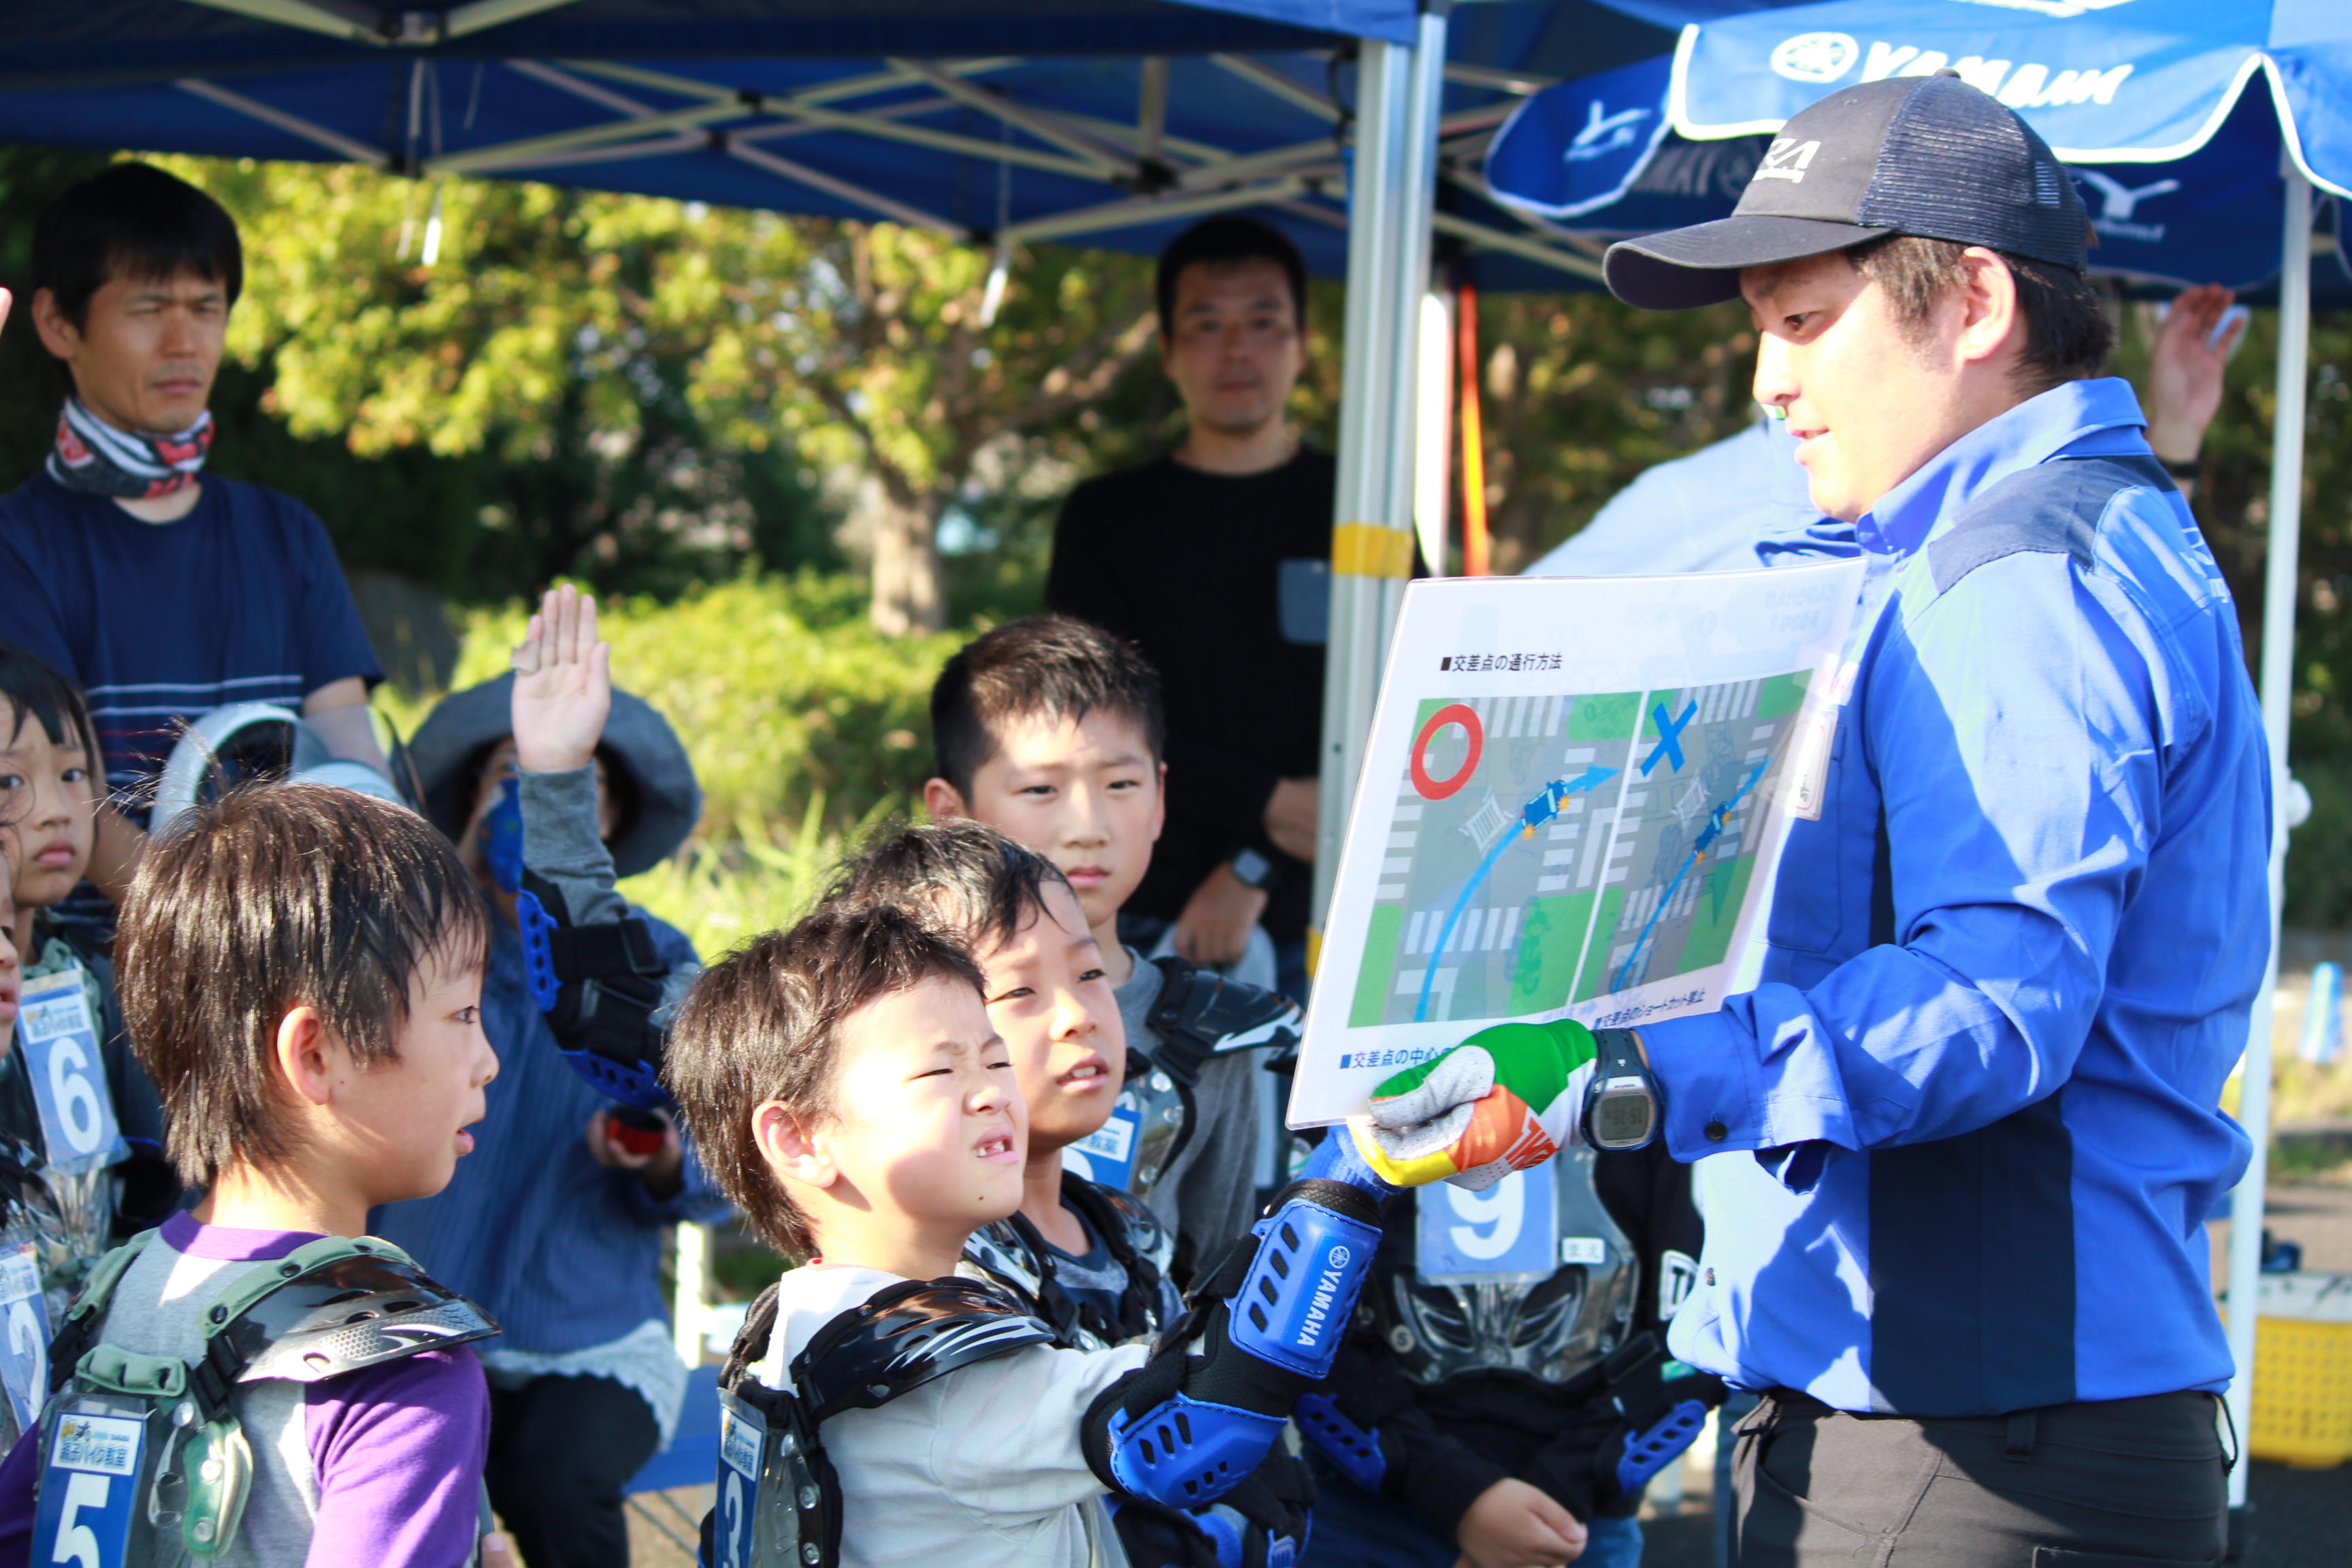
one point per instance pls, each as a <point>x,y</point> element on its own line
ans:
<point>2013,957</point>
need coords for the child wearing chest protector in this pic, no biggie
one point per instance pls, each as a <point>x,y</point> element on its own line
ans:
<point>851,1093</point>
<point>81,1129</point>
<point>1088,1258</point>
<point>256,1381</point>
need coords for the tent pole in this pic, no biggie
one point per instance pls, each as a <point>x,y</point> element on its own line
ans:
<point>1392,186</point>
<point>2279,594</point>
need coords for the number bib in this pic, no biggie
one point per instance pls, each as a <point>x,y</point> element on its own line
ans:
<point>1107,1155</point>
<point>741,1437</point>
<point>23,1338</point>
<point>60,1040</point>
<point>1505,1235</point>
<point>90,1483</point>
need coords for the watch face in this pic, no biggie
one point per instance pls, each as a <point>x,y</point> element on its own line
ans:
<point>1622,1120</point>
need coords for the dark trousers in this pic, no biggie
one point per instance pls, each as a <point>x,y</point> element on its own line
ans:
<point>560,1449</point>
<point>2126,1483</point>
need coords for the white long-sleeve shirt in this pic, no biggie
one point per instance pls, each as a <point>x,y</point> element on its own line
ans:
<point>979,1468</point>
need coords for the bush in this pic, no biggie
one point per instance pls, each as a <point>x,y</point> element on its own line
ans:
<point>2320,853</point>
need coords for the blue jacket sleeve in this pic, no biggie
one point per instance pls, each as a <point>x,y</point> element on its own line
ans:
<point>2019,729</point>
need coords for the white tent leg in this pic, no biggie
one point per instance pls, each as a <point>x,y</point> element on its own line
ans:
<point>2279,593</point>
<point>1394,183</point>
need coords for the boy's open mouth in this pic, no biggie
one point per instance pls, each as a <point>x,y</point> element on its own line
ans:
<point>996,1146</point>
<point>1085,1075</point>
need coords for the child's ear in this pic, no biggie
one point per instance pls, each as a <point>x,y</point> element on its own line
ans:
<point>791,1148</point>
<point>943,800</point>
<point>301,1051</point>
<point>1159,805</point>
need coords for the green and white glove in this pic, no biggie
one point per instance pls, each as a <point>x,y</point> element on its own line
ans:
<point>1506,1099</point>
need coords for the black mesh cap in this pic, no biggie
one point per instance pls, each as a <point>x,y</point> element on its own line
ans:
<point>1925,155</point>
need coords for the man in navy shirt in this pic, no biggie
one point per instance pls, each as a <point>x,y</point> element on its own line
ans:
<point>1971,1106</point>
<point>165,594</point>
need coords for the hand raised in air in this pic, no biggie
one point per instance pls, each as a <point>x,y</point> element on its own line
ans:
<point>563,685</point>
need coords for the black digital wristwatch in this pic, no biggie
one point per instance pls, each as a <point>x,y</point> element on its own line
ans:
<point>1623,1107</point>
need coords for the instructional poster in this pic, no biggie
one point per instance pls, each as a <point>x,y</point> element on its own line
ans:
<point>1575,790</point>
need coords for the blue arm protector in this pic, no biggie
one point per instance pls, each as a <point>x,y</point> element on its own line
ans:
<point>1204,1411</point>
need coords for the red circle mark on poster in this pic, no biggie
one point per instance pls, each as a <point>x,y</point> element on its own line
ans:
<point>1452,713</point>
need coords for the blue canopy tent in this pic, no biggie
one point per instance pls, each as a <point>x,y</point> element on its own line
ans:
<point>2198,132</point>
<point>1597,159</point>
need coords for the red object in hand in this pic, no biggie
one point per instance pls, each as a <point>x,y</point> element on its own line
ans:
<point>634,1139</point>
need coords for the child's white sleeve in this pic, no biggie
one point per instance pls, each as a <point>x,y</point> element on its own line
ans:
<point>1008,1437</point>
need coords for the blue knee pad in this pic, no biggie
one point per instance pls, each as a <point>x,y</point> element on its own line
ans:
<point>1182,1453</point>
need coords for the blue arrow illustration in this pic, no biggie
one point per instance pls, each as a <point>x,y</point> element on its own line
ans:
<point>1546,806</point>
<point>1715,822</point>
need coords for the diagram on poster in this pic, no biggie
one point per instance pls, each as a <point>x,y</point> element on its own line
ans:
<point>1574,789</point>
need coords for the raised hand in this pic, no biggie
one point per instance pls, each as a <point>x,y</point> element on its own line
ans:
<point>2184,370</point>
<point>1506,1099</point>
<point>563,685</point>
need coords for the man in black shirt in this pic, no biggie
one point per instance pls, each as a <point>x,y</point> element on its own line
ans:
<point>1215,560</point>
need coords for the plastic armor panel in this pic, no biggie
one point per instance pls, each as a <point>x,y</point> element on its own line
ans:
<point>779,1501</point>
<point>905,1336</point>
<point>1554,1329</point>
<point>352,1314</point>
<point>1214,1016</point>
<point>1197,1015</point>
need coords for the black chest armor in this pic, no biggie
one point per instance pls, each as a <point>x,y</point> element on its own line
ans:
<point>779,1502</point>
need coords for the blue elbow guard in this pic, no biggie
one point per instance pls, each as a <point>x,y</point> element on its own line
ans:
<point>1185,1453</point>
<point>1311,1263</point>
<point>1209,1406</point>
<point>598,986</point>
<point>1356,1452</point>
<point>1650,1451</point>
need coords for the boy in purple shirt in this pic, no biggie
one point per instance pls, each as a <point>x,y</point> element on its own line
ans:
<point>301,969</point>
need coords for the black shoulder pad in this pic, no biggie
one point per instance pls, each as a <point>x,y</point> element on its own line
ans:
<point>351,1313</point>
<point>905,1336</point>
<point>1200,1014</point>
<point>751,1346</point>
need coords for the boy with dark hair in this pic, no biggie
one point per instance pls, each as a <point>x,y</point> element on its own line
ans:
<point>163,593</point>
<point>301,968</point>
<point>1086,1257</point>
<point>1049,730</point>
<point>1215,560</point>
<point>552,784</point>
<point>73,1092</point>
<point>850,1093</point>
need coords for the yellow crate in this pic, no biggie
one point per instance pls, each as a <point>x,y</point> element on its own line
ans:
<point>2303,1371</point>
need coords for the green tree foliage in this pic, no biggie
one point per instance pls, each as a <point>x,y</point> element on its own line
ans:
<point>1579,395</point>
<point>650,356</point>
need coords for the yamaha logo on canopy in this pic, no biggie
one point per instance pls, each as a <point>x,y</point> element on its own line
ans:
<point>1826,58</point>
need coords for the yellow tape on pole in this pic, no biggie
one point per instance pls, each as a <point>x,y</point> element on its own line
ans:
<point>1371,549</point>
